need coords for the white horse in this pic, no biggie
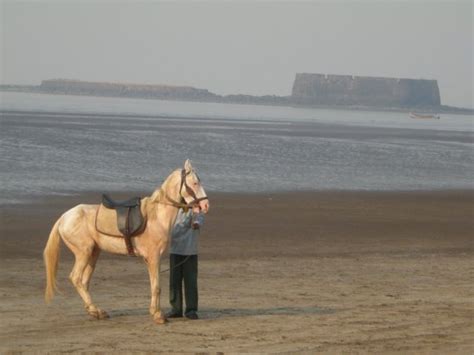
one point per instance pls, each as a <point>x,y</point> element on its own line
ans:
<point>76,228</point>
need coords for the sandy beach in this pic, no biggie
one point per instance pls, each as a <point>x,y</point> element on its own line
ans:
<point>316,272</point>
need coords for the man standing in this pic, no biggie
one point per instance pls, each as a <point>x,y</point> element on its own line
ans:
<point>184,263</point>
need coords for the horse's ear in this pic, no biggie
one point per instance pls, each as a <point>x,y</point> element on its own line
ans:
<point>187,165</point>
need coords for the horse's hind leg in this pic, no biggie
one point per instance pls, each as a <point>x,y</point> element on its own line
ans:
<point>90,267</point>
<point>75,230</point>
<point>83,268</point>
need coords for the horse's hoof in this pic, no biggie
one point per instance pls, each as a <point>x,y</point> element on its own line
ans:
<point>98,314</point>
<point>159,319</point>
<point>103,315</point>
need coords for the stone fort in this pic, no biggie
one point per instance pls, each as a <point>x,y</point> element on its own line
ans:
<point>324,89</point>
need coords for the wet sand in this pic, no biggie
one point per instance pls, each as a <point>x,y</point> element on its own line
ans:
<point>325,272</point>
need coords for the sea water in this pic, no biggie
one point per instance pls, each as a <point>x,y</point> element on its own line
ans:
<point>55,144</point>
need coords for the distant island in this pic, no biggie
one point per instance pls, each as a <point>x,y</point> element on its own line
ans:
<point>309,90</point>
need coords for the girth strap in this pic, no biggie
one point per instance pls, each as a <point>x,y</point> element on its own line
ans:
<point>128,234</point>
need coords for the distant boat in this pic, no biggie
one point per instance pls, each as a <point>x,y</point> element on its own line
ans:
<point>424,116</point>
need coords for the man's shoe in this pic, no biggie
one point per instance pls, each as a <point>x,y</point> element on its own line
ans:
<point>173,314</point>
<point>192,316</point>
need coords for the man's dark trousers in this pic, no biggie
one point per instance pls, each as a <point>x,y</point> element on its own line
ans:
<point>187,271</point>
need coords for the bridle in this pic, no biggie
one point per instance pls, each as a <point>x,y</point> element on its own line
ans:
<point>190,192</point>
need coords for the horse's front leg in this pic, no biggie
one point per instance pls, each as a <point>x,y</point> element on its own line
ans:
<point>154,273</point>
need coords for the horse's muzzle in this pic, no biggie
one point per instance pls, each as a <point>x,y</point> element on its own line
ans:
<point>204,206</point>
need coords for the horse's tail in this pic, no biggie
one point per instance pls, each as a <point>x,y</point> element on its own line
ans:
<point>51,259</point>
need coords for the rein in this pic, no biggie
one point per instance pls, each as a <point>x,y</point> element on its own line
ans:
<point>178,264</point>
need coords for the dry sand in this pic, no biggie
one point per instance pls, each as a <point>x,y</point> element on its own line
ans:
<point>329,272</point>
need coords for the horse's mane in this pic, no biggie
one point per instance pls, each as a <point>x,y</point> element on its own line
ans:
<point>151,202</point>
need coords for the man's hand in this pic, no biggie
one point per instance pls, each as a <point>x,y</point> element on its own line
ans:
<point>195,225</point>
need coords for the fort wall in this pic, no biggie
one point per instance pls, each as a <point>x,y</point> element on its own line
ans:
<point>322,89</point>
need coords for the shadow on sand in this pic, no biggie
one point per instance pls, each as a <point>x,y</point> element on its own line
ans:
<point>215,313</point>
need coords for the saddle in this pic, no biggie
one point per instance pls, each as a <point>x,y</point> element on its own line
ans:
<point>124,219</point>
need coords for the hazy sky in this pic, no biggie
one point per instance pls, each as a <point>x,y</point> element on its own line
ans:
<point>238,47</point>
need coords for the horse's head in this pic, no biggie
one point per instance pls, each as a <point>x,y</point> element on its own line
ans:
<point>191,188</point>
